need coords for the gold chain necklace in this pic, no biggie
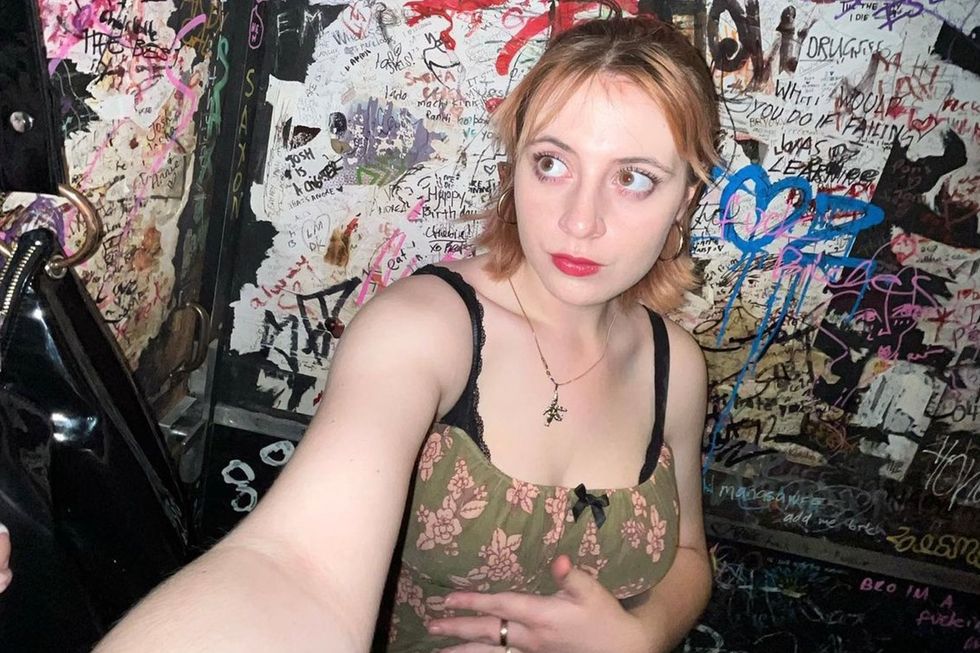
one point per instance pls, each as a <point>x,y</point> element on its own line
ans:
<point>556,410</point>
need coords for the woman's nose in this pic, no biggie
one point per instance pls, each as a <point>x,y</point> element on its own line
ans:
<point>582,214</point>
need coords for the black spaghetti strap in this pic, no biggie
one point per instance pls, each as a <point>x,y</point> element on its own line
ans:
<point>465,413</point>
<point>661,373</point>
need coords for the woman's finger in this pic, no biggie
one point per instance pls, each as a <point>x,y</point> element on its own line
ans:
<point>483,630</point>
<point>576,583</point>
<point>478,648</point>
<point>516,606</point>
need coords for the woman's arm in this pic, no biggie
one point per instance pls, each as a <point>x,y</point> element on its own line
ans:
<point>671,608</point>
<point>305,571</point>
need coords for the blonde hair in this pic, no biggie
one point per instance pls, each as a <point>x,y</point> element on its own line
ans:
<point>658,59</point>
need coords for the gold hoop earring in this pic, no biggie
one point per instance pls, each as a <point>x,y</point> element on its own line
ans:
<point>680,245</point>
<point>500,212</point>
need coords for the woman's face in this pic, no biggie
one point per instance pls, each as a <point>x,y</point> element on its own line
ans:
<point>597,191</point>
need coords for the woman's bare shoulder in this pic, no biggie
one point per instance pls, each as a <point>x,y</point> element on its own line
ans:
<point>419,319</point>
<point>421,309</point>
<point>684,348</point>
<point>688,384</point>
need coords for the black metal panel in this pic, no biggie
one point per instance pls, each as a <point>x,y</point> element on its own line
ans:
<point>30,144</point>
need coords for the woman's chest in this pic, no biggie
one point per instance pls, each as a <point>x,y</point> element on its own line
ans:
<point>594,430</point>
<point>472,527</point>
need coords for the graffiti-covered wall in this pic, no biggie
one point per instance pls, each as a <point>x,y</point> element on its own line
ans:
<point>840,252</point>
<point>838,243</point>
<point>134,96</point>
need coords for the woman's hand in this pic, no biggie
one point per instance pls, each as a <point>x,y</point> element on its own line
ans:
<point>581,617</point>
<point>5,573</point>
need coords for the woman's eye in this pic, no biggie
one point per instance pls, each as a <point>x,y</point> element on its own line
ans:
<point>549,166</point>
<point>635,181</point>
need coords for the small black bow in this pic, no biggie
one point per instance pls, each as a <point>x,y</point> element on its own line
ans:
<point>597,503</point>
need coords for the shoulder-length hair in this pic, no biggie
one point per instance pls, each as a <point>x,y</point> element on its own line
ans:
<point>658,59</point>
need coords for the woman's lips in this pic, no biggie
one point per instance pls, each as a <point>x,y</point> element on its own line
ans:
<point>575,267</point>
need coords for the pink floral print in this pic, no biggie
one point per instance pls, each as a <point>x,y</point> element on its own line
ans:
<point>639,503</point>
<point>632,588</point>
<point>590,551</point>
<point>632,533</point>
<point>442,526</point>
<point>501,557</point>
<point>500,564</point>
<point>433,453</point>
<point>522,494</point>
<point>557,509</point>
<point>479,530</point>
<point>655,536</point>
<point>589,546</point>
<point>437,607</point>
<point>409,593</point>
<point>393,629</point>
<point>461,479</point>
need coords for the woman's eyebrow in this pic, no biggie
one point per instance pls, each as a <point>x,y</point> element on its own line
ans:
<point>553,141</point>
<point>667,170</point>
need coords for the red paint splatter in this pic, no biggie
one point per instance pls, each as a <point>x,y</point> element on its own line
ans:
<point>351,226</point>
<point>558,18</point>
<point>427,8</point>
<point>492,103</point>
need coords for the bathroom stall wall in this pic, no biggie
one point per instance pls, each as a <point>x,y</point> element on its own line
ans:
<point>137,87</point>
<point>840,253</point>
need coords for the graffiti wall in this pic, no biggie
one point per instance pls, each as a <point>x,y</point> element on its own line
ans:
<point>841,267</point>
<point>767,602</point>
<point>133,89</point>
<point>838,243</point>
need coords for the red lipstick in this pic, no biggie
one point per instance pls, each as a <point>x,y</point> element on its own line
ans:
<point>573,266</point>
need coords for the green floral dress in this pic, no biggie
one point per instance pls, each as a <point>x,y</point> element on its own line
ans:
<point>469,526</point>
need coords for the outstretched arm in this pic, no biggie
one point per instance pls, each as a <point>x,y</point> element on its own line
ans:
<point>306,569</point>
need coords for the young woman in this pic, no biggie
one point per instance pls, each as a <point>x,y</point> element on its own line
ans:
<point>542,424</point>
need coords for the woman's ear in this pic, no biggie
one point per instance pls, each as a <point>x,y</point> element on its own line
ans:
<point>692,191</point>
<point>685,209</point>
<point>504,171</point>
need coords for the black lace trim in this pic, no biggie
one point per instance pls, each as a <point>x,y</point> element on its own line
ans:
<point>661,376</point>
<point>468,404</point>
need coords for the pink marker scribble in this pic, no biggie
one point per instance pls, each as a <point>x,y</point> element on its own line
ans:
<point>374,274</point>
<point>189,100</point>
<point>558,18</point>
